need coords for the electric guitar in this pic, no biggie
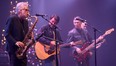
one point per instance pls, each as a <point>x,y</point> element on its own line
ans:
<point>44,51</point>
<point>85,49</point>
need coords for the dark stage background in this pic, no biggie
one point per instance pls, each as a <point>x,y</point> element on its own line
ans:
<point>99,13</point>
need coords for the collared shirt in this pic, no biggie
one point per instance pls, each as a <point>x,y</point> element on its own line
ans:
<point>46,34</point>
<point>79,34</point>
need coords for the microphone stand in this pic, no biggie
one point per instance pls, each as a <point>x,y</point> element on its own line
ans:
<point>95,31</point>
<point>57,63</point>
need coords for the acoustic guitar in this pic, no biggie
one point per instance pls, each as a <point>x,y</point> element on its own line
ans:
<point>44,51</point>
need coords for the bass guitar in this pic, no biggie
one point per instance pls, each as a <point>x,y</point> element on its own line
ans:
<point>85,49</point>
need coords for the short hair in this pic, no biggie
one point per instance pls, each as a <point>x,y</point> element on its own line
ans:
<point>21,5</point>
<point>78,18</point>
<point>56,17</point>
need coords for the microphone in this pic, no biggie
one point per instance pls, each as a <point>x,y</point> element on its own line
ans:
<point>85,23</point>
<point>41,15</point>
<point>56,27</point>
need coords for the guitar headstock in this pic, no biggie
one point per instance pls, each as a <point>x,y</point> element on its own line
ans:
<point>109,31</point>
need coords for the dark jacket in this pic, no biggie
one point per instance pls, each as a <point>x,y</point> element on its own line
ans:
<point>15,30</point>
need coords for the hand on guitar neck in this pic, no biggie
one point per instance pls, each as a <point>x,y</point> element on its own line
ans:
<point>20,44</point>
<point>100,43</point>
<point>52,43</point>
<point>76,43</point>
<point>100,38</point>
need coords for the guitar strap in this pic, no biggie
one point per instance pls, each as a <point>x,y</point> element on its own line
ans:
<point>84,32</point>
<point>83,35</point>
<point>54,35</point>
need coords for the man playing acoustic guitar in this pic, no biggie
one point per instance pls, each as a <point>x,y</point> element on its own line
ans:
<point>46,38</point>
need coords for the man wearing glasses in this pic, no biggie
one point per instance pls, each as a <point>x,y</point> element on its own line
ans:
<point>15,30</point>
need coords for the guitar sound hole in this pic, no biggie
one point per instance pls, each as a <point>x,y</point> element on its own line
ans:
<point>50,51</point>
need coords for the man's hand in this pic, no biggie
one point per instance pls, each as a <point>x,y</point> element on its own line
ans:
<point>53,43</point>
<point>99,44</point>
<point>20,44</point>
<point>72,43</point>
<point>78,50</point>
<point>91,53</point>
<point>101,37</point>
<point>80,42</point>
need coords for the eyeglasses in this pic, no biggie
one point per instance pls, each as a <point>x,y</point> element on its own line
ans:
<point>26,9</point>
